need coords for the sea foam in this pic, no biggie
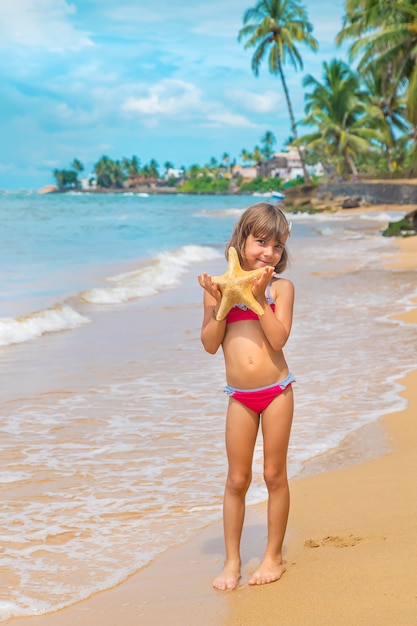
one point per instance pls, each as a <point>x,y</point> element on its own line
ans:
<point>25,327</point>
<point>164,272</point>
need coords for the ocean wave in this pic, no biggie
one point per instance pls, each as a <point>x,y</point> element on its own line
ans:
<point>164,272</point>
<point>377,216</point>
<point>317,217</point>
<point>231,212</point>
<point>382,216</point>
<point>26,327</point>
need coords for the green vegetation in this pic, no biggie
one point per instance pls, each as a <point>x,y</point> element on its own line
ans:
<point>303,209</point>
<point>338,108</point>
<point>262,185</point>
<point>68,179</point>
<point>205,184</point>
<point>365,121</point>
<point>109,173</point>
<point>361,122</point>
<point>401,228</point>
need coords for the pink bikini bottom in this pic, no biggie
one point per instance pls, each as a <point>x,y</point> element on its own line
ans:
<point>259,399</point>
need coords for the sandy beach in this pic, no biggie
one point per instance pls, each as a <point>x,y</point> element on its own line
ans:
<point>349,550</point>
<point>350,554</point>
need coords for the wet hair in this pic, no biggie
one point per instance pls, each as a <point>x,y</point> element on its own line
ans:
<point>262,221</point>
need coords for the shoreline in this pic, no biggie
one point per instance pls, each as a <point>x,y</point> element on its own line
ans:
<point>298,196</point>
<point>348,549</point>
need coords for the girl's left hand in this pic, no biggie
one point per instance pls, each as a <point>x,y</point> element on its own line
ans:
<point>261,283</point>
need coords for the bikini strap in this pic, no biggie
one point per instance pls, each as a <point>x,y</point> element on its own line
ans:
<point>268,290</point>
<point>268,293</point>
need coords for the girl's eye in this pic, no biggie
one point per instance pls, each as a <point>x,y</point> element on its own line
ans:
<point>261,241</point>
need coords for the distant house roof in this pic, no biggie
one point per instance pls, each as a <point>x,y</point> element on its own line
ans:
<point>274,163</point>
<point>278,161</point>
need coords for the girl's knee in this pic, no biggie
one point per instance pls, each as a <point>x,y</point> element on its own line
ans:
<point>238,483</point>
<point>275,478</point>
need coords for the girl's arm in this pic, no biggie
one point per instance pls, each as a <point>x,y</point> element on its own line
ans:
<point>276,326</point>
<point>212,331</point>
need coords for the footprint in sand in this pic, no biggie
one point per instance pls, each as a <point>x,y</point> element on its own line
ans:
<point>342,542</point>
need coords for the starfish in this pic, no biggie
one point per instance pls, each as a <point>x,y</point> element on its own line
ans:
<point>236,286</point>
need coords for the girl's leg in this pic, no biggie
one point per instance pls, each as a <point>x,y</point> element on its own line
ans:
<point>241,430</point>
<point>276,427</point>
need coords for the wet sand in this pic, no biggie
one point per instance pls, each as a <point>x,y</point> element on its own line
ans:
<point>350,548</point>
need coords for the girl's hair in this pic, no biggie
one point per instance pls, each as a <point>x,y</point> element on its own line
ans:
<point>262,220</point>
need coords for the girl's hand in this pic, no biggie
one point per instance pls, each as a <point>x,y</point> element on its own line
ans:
<point>206,282</point>
<point>261,283</point>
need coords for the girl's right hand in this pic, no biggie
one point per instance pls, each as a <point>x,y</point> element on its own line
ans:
<point>206,282</point>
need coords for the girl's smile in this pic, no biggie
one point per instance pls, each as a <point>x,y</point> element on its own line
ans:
<point>261,252</point>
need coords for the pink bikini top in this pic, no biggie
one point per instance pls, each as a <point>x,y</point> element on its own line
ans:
<point>241,312</point>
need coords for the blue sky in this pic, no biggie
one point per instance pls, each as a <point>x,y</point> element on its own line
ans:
<point>159,79</point>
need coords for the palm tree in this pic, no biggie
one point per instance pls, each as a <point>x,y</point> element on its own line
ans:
<point>212,167</point>
<point>268,142</point>
<point>363,15</point>
<point>77,165</point>
<point>277,26</point>
<point>257,154</point>
<point>150,170</point>
<point>385,111</point>
<point>226,160</point>
<point>194,171</point>
<point>154,168</point>
<point>131,166</point>
<point>168,165</point>
<point>246,156</point>
<point>109,173</point>
<point>385,34</point>
<point>65,178</point>
<point>337,107</point>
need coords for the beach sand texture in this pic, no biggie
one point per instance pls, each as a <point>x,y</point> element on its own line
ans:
<point>350,547</point>
<point>350,555</point>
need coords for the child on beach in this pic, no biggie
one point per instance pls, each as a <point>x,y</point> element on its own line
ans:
<point>258,384</point>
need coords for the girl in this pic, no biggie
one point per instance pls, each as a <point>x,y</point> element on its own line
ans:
<point>258,383</point>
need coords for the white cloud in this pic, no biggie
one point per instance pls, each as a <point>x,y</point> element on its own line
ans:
<point>197,15</point>
<point>258,103</point>
<point>42,24</point>
<point>228,119</point>
<point>180,99</point>
<point>168,97</point>
<point>219,29</point>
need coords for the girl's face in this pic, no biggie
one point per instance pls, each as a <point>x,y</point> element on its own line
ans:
<point>260,252</point>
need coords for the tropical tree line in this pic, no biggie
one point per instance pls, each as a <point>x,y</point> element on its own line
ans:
<point>109,173</point>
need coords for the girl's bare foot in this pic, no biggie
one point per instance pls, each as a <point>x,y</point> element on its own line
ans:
<point>268,572</point>
<point>229,577</point>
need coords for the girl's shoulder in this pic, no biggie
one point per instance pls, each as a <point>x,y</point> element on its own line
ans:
<point>280,287</point>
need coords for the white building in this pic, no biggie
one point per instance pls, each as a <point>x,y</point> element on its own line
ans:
<point>88,183</point>
<point>173,173</point>
<point>288,166</point>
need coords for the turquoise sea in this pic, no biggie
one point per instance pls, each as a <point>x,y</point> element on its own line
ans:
<point>112,415</point>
